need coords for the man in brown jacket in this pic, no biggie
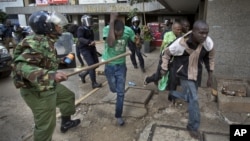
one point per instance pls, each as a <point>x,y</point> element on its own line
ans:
<point>190,52</point>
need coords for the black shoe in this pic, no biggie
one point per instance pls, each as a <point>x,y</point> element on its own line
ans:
<point>136,67</point>
<point>96,85</point>
<point>69,124</point>
<point>143,70</point>
<point>171,98</point>
<point>82,76</point>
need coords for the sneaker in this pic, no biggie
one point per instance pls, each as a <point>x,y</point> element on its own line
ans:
<point>194,134</point>
<point>171,98</point>
<point>70,124</point>
<point>120,121</point>
<point>145,81</point>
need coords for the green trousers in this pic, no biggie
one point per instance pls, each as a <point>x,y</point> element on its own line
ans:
<point>43,106</point>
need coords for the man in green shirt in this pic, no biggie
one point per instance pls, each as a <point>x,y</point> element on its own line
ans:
<point>171,35</point>
<point>116,36</point>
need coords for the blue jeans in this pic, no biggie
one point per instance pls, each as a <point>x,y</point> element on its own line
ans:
<point>116,76</point>
<point>189,94</point>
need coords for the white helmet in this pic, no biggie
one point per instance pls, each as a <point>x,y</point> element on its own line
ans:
<point>86,20</point>
<point>135,19</point>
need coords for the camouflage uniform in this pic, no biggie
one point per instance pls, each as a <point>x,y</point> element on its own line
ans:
<point>34,68</point>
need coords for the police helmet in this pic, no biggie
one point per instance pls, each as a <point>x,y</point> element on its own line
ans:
<point>135,19</point>
<point>86,20</point>
<point>42,22</point>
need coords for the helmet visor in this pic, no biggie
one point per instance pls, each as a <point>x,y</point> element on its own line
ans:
<point>87,20</point>
<point>58,19</point>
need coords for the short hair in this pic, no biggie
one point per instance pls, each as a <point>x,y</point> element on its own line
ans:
<point>118,25</point>
<point>176,23</point>
<point>199,24</point>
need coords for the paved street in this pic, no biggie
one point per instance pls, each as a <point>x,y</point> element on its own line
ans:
<point>166,122</point>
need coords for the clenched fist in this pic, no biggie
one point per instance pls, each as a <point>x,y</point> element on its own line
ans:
<point>137,41</point>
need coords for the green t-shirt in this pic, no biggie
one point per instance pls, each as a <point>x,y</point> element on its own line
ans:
<point>119,47</point>
<point>168,38</point>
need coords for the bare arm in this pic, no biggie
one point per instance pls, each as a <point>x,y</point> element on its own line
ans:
<point>111,35</point>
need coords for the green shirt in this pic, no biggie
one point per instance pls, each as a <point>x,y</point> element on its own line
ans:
<point>168,38</point>
<point>119,47</point>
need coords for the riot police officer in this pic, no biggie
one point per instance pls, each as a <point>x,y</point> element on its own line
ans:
<point>136,49</point>
<point>35,73</point>
<point>86,44</point>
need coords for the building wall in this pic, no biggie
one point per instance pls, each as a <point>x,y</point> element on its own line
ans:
<point>18,3</point>
<point>229,22</point>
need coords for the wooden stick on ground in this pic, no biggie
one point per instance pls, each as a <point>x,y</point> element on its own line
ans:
<point>98,64</point>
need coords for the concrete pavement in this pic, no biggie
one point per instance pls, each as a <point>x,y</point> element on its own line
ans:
<point>168,123</point>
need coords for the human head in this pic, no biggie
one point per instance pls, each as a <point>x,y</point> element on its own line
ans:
<point>42,22</point>
<point>118,28</point>
<point>177,29</point>
<point>185,25</point>
<point>200,31</point>
<point>73,29</point>
<point>86,20</point>
<point>135,21</point>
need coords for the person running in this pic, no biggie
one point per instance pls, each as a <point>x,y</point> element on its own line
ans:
<point>116,36</point>
<point>190,53</point>
<point>168,38</point>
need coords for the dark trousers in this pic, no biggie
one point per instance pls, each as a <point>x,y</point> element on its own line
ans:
<point>173,81</point>
<point>91,58</point>
<point>135,50</point>
<point>155,77</point>
<point>78,55</point>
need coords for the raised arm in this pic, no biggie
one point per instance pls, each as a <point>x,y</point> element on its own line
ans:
<point>111,34</point>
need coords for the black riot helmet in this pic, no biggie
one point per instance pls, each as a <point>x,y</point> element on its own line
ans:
<point>86,20</point>
<point>135,19</point>
<point>42,22</point>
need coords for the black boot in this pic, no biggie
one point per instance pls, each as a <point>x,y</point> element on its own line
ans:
<point>96,85</point>
<point>67,123</point>
<point>143,70</point>
<point>82,76</point>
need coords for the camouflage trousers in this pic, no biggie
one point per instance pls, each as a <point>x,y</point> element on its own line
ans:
<point>43,106</point>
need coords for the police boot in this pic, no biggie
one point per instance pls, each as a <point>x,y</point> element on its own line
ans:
<point>82,76</point>
<point>67,123</point>
<point>96,85</point>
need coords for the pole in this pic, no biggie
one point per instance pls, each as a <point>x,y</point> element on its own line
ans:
<point>98,64</point>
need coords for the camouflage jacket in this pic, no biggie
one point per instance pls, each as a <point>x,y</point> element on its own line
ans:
<point>35,63</point>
